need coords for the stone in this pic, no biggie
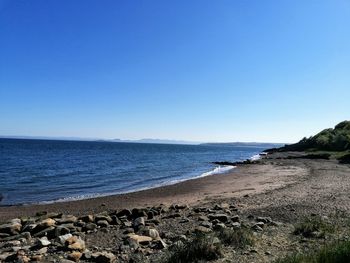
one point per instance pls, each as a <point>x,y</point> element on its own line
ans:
<point>257,228</point>
<point>90,226</point>
<point>139,221</point>
<point>139,212</point>
<point>265,220</point>
<point>12,228</point>
<point>221,217</point>
<point>66,219</point>
<point>61,230</point>
<point>75,256</point>
<point>48,222</point>
<point>103,218</point>
<point>62,239</point>
<point>103,257</point>
<point>219,226</point>
<point>36,258</point>
<point>124,212</point>
<point>87,218</point>
<point>159,244</point>
<point>184,220</point>
<point>140,239</point>
<point>235,218</point>
<point>153,233</point>
<point>75,243</point>
<point>206,224</point>
<point>45,232</point>
<point>203,218</point>
<point>44,242</point>
<point>236,225</point>
<point>102,223</point>
<point>202,229</point>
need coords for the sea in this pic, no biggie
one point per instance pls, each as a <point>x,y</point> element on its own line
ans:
<point>46,171</point>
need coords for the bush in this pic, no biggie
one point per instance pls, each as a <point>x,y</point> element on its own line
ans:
<point>202,247</point>
<point>313,227</point>
<point>335,253</point>
<point>239,238</point>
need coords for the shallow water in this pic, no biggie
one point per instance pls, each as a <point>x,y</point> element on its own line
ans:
<point>34,171</point>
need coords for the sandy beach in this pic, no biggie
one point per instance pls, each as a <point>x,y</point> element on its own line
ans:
<point>279,190</point>
<point>243,180</point>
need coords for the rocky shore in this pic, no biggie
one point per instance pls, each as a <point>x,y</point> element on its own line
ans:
<point>256,224</point>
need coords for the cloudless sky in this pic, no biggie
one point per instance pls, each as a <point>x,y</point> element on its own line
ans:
<point>193,70</point>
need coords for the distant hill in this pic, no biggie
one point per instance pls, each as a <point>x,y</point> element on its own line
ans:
<point>337,139</point>
<point>245,144</point>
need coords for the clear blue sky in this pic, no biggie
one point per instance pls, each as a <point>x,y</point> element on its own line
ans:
<point>192,70</point>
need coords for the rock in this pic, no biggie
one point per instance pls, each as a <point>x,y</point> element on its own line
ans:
<point>221,217</point>
<point>62,239</point>
<point>206,224</point>
<point>75,243</point>
<point>103,257</point>
<point>36,258</point>
<point>42,250</point>
<point>90,226</point>
<point>12,228</point>
<point>102,223</point>
<point>180,207</point>
<point>75,256</point>
<point>203,218</point>
<point>87,218</point>
<point>202,229</point>
<point>159,244</point>
<point>184,220</point>
<point>103,218</point>
<point>236,225</point>
<point>125,212</point>
<point>153,233</point>
<point>235,218</point>
<point>131,244</point>
<point>219,226</point>
<point>45,232</point>
<point>265,220</point>
<point>44,242</point>
<point>48,222</point>
<point>139,212</point>
<point>174,215</point>
<point>115,220</point>
<point>139,221</point>
<point>260,224</point>
<point>140,239</point>
<point>61,230</point>
<point>257,228</point>
<point>66,219</point>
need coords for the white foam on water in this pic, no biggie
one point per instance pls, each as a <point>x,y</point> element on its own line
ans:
<point>255,157</point>
<point>217,170</point>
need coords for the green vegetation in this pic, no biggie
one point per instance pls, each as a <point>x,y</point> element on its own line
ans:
<point>337,139</point>
<point>201,248</point>
<point>206,247</point>
<point>239,238</point>
<point>314,227</point>
<point>336,253</point>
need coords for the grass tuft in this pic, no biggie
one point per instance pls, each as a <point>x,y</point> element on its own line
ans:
<point>201,248</point>
<point>238,238</point>
<point>313,227</point>
<point>335,253</point>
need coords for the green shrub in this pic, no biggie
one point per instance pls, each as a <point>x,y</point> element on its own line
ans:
<point>201,248</point>
<point>313,227</point>
<point>238,238</point>
<point>335,253</point>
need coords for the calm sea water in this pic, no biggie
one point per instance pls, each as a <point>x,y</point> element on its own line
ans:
<point>34,171</point>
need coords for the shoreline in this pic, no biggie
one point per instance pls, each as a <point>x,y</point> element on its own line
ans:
<point>238,182</point>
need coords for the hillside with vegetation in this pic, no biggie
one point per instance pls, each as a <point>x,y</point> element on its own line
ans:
<point>337,139</point>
